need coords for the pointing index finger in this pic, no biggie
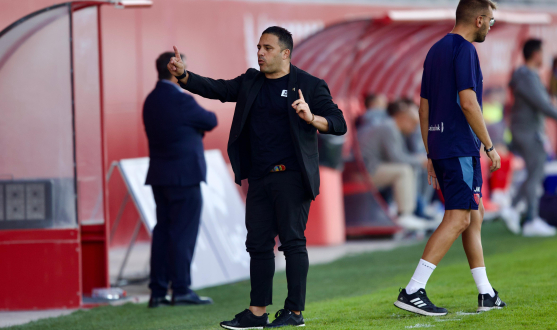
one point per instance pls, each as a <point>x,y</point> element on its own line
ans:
<point>301,95</point>
<point>177,53</point>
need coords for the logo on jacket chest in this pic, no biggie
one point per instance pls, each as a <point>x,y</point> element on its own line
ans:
<point>284,93</point>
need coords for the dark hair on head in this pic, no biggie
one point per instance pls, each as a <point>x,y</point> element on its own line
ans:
<point>530,47</point>
<point>396,107</point>
<point>468,10</point>
<point>283,35</point>
<point>408,101</point>
<point>162,63</point>
<point>554,63</point>
<point>369,99</point>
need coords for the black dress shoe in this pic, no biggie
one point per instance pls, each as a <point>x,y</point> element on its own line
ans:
<point>191,299</point>
<point>158,301</point>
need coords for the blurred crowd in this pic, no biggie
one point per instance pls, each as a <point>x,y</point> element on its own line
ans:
<point>523,192</point>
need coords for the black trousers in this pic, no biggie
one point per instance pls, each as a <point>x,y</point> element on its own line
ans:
<point>277,204</point>
<point>174,237</point>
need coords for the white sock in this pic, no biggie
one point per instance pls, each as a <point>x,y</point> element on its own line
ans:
<point>480,277</point>
<point>420,277</point>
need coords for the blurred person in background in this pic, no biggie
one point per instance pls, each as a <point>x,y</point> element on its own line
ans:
<point>414,139</point>
<point>425,192</point>
<point>175,125</point>
<point>390,164</point>
<point>553,79</point>
<point>273,144</point>
<point>531,105</point>
<point>453,130</point>
<point>376,111</point>
<point>499,182</point>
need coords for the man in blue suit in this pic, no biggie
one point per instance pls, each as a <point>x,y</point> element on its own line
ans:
<point>175,125</point>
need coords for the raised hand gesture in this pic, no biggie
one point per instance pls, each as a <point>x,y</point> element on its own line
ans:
<point>176,66</point>
<point>302,108</point>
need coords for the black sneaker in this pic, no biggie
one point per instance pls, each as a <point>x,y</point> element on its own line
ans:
<point>487,302</point>
<point>284,318</point>
<point>418,303</point>
<point>246,320</point>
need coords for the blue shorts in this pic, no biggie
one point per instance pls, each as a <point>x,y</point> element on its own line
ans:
<point>460,179</point>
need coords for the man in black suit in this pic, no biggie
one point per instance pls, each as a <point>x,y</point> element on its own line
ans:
<point>273,143</point>
<point>175,125</point>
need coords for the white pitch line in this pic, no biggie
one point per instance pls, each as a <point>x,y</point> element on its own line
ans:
<point>445,320</point>
<point>419,325</point>
<point>463,313</point>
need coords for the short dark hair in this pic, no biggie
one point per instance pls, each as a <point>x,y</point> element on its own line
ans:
<point>407,101</point>
<point>162,63</point>
<point>396,107</point>
<point>370,98</point>
<point>530,47</point>
<point>283,35</point>
<point>467,10</point>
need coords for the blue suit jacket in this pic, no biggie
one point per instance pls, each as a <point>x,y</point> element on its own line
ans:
<point>175,125</point>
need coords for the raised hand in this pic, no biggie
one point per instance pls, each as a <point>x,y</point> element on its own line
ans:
<point>302,108</point>
<point>176,66</point>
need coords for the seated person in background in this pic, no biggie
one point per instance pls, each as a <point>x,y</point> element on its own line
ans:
<point>425,191</point>
<point>376,111</point>
<point>389,162</point>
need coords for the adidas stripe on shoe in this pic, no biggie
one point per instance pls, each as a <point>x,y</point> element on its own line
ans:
<point>418,303</point>
<point>487,302</point>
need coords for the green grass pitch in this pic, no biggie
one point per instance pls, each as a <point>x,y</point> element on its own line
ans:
<point>358,292</point>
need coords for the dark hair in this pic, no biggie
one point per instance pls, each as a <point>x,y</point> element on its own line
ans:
<point>283,35</point>
<point>407,101</point>
<point>467,10</point>
<point>396,107</point>
<point>370,98</point>
<point>554,63</point>
<point>162,63</point>
<point>530,47</point>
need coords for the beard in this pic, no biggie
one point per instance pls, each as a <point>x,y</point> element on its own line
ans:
<point>481,35</point>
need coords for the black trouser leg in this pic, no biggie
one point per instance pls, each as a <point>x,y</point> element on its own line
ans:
<point>159,277</point>
<point>262,272</point>
<point>260,242</point>
<point>174,237</point>
<point>277,204</point>
<point>292,209</point>
<point>185,214</point>
<point>296,276</point>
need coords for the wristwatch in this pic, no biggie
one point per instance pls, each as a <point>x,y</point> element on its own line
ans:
<point>489,150</point>
<point>182,76</point>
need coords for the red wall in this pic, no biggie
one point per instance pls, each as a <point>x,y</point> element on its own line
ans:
<point>218,39</point>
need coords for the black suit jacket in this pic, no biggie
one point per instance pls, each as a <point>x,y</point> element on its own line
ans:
<point>175,125</point>
<point>244,89</point>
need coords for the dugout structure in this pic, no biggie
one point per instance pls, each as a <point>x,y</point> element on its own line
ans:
<point>53,228</point>
<point>385,55</point>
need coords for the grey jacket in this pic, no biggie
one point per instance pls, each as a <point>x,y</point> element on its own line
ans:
<point>385,143</point>
<point>532,102</point>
